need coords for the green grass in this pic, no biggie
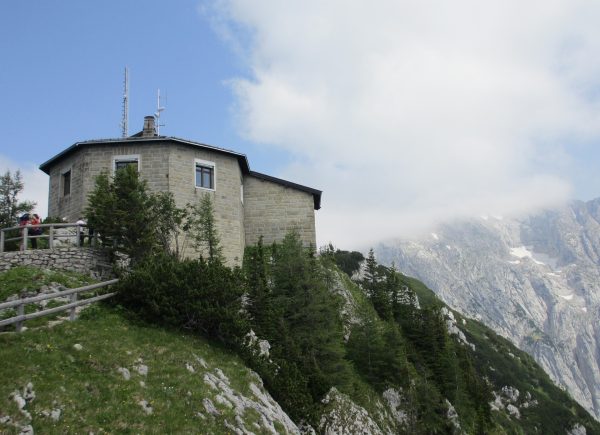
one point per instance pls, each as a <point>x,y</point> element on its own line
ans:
<point>27,278</point>
<point>95,397</point>
<point>30,279</point>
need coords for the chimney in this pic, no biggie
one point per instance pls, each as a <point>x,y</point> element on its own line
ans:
<point>149,127</point>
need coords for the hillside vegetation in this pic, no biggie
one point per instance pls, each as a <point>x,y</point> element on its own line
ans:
<point>286,344</point>
<point>339,356</point>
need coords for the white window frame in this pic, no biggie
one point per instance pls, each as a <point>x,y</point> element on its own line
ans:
<point>206,163</point>
<point>61,182</point>
<point>125,158</point>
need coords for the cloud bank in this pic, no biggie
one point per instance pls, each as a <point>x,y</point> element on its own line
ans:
<point>35,183</point>
<point>410,113</point>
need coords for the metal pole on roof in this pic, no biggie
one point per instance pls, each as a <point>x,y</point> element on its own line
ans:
<point>124,121</point>
<point>159,110</point>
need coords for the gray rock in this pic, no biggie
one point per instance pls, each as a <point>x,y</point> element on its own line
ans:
<point>534,280</point>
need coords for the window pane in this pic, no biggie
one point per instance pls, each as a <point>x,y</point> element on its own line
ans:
<point>120,164</point>
<point>205,177</point>
<point>66,183</point>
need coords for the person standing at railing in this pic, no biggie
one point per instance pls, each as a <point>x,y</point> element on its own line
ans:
<point>23,222</point>
<point>81,224</point>
<point>35,230</point>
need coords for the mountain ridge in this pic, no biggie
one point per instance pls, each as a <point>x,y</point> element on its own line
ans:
<point>534,280</point>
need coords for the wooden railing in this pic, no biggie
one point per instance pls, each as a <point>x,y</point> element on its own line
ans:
<point>52,236</point>
<point>74,303</point>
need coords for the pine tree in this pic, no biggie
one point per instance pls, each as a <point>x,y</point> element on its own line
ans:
<point>134,231</point>
<point>375,286</point>
<point>305,326</point>
<point>370,279</point>
<point>168,223</point>
<point>10,207</point>
<point>101,210</point>
<point>203,227</point>
<point>260,305</point>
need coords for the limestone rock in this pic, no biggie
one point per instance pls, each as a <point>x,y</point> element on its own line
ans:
<point>534,280</point>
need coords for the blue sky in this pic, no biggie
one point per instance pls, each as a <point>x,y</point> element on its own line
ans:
<point>62,74</point>
<point>404,114</point>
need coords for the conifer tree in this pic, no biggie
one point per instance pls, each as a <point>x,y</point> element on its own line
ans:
<point>370,279</point>
<point>203,227</point>
<point>101,208</point>
<point>133,230</point>
<point>374,284</point>
<point>259,304</point>
<point>10,206</point>
<point>130,220</point>
<point>294,310</point>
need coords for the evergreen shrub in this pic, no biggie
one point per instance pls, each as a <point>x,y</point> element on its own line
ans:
<point>202,296</point>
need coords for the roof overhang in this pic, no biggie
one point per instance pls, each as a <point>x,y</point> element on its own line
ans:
<point>314,192</point>
<point>241,158</point>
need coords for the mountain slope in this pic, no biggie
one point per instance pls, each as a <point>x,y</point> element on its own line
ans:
<point>108,372</point>
<point>535,281</point>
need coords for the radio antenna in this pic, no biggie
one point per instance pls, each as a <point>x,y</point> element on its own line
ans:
<point>125,117</point>
<point>159,110</point>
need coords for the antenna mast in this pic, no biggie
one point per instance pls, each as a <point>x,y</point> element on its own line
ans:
<point>159,109</point>
<point>124,121</point>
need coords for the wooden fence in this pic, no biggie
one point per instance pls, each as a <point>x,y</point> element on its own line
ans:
<point>74,303</point>
<point>52,235</point>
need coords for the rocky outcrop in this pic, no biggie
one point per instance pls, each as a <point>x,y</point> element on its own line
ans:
<point>534,280</point>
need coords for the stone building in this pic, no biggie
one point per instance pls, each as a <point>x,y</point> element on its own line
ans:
<point>247,204</point>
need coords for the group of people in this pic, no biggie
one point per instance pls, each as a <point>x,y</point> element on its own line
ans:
<point>32,221</point>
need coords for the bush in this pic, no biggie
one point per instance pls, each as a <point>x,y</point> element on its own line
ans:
<point>205,297</point>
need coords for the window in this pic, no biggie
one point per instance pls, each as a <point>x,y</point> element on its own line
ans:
<point>205,174</point>
<point>66,182</point>
<point>120,162</point>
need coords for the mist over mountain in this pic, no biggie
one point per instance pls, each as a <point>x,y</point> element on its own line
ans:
<point>534,280</point>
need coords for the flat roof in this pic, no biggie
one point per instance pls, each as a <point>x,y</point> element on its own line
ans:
<point>241,158</point>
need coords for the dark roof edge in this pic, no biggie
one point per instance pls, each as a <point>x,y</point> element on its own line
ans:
<point>314,192</point>
<point>242,159</point>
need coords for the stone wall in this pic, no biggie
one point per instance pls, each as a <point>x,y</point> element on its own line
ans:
<point>68,206</point>
<point>89,161</point>
<point>271,210</point>
<point>268,208</point>
<point>226,196</point>
<point>166,167</point>
<point>93,262</point>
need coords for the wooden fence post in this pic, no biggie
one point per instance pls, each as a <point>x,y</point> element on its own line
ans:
<point>73,299</point>
<point>25,233</point>
<point>1,240</point>
<point>20,312</point>
<point>51,238</point>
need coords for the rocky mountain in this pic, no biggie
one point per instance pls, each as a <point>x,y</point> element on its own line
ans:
<point>534,280</point>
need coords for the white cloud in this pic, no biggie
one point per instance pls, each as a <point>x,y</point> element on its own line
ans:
<point>34,180</point>
<point>409,113</point>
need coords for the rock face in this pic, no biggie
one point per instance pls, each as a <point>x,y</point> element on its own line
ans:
<point>534,280</point>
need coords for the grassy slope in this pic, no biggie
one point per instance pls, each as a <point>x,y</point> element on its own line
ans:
<point>30,279</point>
<point>22,278</point>
<point>95,397</point>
